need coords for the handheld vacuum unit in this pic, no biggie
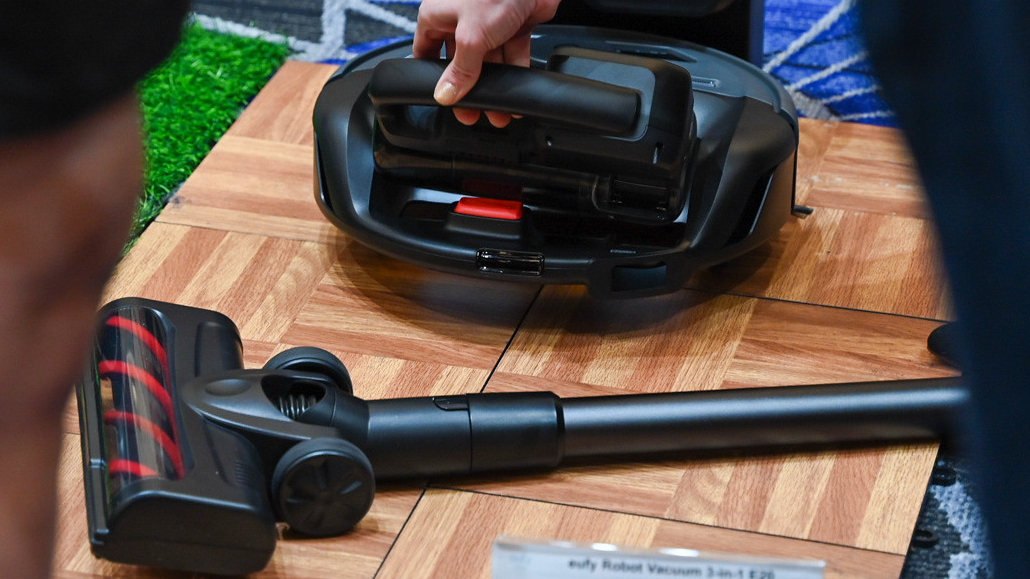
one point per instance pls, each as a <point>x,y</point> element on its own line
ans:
<point>637,160</point>
<point>190,460</point>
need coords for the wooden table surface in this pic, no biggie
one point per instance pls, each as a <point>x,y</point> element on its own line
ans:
<point>848,294</point>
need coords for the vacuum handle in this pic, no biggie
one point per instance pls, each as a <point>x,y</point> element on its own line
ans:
<point>552,97</point>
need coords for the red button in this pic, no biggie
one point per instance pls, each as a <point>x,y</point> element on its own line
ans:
<point>495,208</point>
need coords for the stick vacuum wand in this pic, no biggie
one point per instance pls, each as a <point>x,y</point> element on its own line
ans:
<point>761,417</point>
<point>448,435</point>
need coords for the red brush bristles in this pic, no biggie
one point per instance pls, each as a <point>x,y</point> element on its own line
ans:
<point>168,445</point>
<point>144,336</point>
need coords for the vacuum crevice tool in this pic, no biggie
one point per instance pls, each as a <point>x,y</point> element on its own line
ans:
<point>190,460</point>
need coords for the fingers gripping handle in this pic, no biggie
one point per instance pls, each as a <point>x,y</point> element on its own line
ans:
<point>551,97</point>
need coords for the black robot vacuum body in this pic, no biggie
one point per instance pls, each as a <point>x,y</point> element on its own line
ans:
<point>634,161</point>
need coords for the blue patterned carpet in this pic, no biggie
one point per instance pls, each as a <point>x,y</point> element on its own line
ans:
<point>812,46</point>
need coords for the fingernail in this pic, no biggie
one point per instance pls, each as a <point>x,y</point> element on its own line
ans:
<point>446,93</point>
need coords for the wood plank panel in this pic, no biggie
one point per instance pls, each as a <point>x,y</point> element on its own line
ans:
<point>698,340</point>
<point>450,535</point>
<point>868,169</point>
<point>281,112</point>
<point>261,283</point>
<point>868,244</point>
<point>787,343</point>
<point>253,186</point>
<point>681,341</point>
<point>375,305</point>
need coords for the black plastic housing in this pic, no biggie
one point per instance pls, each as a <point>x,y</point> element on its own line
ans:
<point>733,26</point>
<point>211,516</point>
<point>627,200</point>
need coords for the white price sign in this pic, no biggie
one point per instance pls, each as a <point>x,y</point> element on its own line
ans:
<point>528,559</point>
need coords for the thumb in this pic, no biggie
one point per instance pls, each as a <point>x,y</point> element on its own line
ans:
<point>458,78</point>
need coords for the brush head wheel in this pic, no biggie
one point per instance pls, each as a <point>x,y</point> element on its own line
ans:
<point>316,360</point>
<point>323,486</point>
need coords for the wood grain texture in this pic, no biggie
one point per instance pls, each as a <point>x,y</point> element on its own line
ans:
<point>283,114</point>
<point>450,535</point>
<point>868,243</point>
<point>850,293</point>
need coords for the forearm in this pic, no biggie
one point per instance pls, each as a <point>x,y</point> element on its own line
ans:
<point>66,205</point>
<point>27,513</point>
<point>70,172</point>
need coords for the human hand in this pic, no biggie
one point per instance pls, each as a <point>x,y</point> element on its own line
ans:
<point>474,32</point>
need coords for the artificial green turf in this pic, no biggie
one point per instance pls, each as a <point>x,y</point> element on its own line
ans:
<point>190,100</point>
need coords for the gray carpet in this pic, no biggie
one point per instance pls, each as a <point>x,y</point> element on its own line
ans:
<point>811,46</point>
<point>317,30</point>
